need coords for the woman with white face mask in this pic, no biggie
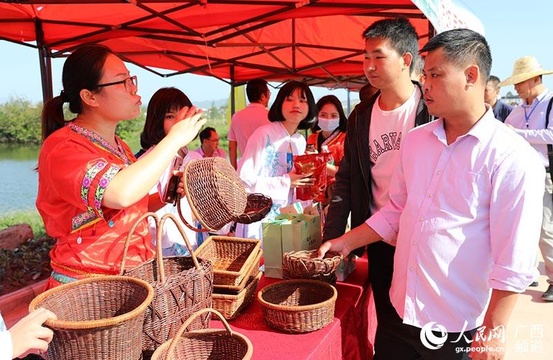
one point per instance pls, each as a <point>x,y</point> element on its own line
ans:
<point>329,131</point>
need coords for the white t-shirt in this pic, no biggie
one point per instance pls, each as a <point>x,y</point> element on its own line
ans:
<point>171,234</point>
<point>386,130</point>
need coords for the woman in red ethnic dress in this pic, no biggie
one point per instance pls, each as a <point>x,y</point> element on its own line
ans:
<point>330,131</point>
<point>91,187</point>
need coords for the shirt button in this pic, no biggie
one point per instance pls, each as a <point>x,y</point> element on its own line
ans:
<point>429,195</point>
<point>420,219</point>
<point>414,243</point>
<point>411,269</point>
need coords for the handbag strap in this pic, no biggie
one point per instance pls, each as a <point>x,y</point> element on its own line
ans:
<point>549,146</point>
<point>159,250</point>
<point>184,221</point>
<point>131,232</point>
<point>178,335</point>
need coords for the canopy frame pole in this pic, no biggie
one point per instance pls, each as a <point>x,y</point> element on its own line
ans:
<point>45,62</point>
<point>232,86</point>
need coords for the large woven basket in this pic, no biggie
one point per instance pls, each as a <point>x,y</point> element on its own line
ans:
<point>305,264</point>
<point>209,344</point>
<point>182,286</point>
<point>97,318</point>
<point>257,207</point>
<point>214,191</point>
<point>298,306</point>
<point>232,257</point>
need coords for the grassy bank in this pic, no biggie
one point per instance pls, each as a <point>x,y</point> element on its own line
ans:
<point>30,217</point>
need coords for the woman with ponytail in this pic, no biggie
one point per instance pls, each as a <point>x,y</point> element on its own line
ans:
<point>91,187</point>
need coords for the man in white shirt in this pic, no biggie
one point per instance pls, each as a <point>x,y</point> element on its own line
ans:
<point>246,121</point>
<point>464,213</point>
<point>528,120</point>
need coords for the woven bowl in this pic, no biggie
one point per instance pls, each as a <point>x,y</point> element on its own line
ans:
<point>298,306</point>
<point>214,191</point>
<point>257,206</point>
<point>304,264</point>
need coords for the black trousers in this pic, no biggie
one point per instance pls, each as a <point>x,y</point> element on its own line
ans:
<point>395,340</point>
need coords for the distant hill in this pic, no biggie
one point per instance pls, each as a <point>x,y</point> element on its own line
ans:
<point>206,104</point>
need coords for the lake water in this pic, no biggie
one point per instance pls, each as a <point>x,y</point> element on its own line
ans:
<point>18,180</point>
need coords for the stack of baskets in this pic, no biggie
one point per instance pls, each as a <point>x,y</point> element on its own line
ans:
<point>235,271</point>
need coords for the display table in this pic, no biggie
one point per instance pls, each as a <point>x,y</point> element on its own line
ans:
<point>347,337</point>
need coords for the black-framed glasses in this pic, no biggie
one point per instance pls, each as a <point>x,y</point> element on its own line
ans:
<point>131,80</point>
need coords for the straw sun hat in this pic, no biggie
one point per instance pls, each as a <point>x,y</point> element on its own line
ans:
<point>525,68</point>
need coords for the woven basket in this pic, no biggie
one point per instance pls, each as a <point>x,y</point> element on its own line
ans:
<point>232,257</point>
<point>305,264</point>
<point>97,318</point>
<point>214,191</point>
<point>182,286</point>
<point>229,304</point>
<point>298,306</point>
<point>207,344</point>
<point>250,273</point>
<point>257,206</point>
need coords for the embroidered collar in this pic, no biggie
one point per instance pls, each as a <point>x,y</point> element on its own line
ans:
<point>101,142</point>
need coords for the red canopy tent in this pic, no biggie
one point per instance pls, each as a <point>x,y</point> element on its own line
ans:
<point>317,41</point>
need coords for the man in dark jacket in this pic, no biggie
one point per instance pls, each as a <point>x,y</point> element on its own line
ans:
<point>373,138</point>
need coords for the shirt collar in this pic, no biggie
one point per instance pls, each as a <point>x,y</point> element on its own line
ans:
<point>480,130</point>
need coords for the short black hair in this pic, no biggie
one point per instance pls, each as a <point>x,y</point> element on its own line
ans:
<point>399,32</point>
<point>461,47</point>
<point>494,80</point>
<point>206,133</point>
<point>163,101</point>
<point>255,89</point>
<point>275,112</point>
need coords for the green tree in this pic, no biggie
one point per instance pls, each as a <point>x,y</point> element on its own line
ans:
<point>20,121</point>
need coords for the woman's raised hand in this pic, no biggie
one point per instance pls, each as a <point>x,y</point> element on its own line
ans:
<point>190,123</point>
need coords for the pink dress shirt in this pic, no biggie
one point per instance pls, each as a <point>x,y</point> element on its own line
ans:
<point>467,217</point>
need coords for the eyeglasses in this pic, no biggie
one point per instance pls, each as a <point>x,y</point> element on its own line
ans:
<point>131,80</point>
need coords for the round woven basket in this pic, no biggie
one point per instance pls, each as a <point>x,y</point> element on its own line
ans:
<point>214,191</point>
<point>98,318</point>
<point>206,344</point>
<point>257,206</point>
<point>298,306</point>
<point>305,264</point>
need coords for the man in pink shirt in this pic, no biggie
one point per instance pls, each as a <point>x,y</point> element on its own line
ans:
<point>247,120</point>
<point>464,214</point>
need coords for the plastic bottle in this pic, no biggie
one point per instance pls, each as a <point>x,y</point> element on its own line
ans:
<point>330,159</point>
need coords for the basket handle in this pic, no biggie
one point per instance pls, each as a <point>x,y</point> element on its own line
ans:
<point>175,341</point>
<point>193,228</point>
<point>131,231</point>
<point>185,238</point>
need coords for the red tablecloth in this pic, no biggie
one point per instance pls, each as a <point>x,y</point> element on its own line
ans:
<point>348,337</point>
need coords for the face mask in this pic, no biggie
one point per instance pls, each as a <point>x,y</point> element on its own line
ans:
<point>328,124</point>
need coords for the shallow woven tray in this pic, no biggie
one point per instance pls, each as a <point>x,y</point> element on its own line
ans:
<point>98,318</point>
<point>232,257</point>
<point>251,272</point>
<point>257,207</point>
<point>298,306</point>
<point>208,344</point>
<point>304,264</point>
<point>230,305</point>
